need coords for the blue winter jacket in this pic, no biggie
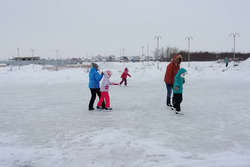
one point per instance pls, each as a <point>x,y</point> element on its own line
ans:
<point>179,81</point>
<point>94,78</point>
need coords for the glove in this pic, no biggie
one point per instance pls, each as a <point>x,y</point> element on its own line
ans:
<point>176,88</point>
<point>102,73</point>
<point>115,84</point>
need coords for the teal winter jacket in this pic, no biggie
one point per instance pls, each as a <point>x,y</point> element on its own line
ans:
<point>179,81</point>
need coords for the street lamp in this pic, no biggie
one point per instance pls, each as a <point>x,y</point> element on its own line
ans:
<point>57,51</point>
<point>158,50</point>
<point>158,38</point>
<point>142,51</point>
<point>123,50</point>
<point>234,35</point>
<point>18,57</point>
<point>32,51</point>
<point>189,38</point>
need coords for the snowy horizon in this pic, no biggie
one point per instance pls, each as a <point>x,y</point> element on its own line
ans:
<point>45,121</point>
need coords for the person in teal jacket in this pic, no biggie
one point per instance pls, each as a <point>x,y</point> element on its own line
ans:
<point>226,61</point>
<point>179,80</point>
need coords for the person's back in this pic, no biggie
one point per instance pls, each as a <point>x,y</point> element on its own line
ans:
<point>94,78</point>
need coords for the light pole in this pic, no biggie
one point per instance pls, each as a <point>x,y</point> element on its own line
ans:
<point>158,39</point>
<point>32,52</point>
<point>158,50</point>
<point>57,51</point>
<point>57,61</point>
<point>142,51</point>
<point>234,35</point>
<point>18,57</point>
<point>32,58</point>
<point>189,38</point>
<point>123,50</point>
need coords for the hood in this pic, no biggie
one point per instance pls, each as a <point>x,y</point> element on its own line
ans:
<point>175,60</point>
<point>181,71</point>
<point>106,74</point>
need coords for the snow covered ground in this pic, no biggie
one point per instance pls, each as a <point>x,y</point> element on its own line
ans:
<point>45,122</point>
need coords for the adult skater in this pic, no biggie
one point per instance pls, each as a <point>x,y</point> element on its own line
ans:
<point>94,79</point>
<point>171,71</point>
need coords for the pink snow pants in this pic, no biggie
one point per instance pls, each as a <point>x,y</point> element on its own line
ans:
<point>104,95</point>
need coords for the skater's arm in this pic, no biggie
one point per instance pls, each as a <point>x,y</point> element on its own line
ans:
<point>98,77</point>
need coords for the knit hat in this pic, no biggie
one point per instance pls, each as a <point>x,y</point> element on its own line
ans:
<point>94,65</point>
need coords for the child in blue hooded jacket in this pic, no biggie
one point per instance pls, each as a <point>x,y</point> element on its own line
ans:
<point>179,80</point>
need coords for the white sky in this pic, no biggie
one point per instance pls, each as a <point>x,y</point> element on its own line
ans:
<point>85,28</point>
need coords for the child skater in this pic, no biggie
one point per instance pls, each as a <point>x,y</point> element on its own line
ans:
<point>104,88</point>
<point>124,76</point>
<point>179,80</point>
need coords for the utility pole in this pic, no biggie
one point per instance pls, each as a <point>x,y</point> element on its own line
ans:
<point>189,38</point>
<point>234,35</point>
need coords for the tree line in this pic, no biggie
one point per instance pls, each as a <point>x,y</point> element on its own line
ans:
<point>166,54</point>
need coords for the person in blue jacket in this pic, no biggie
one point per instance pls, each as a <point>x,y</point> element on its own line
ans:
<point>94,79</point>
<point>179,80</point>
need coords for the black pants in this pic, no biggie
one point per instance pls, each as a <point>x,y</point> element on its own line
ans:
<point>93,96</point>
<point>177,99</point>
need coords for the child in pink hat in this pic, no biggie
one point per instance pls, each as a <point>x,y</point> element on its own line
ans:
<point>104,88</point>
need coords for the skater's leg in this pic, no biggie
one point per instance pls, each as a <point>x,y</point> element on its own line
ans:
<point>107,100</point>
<point>92,99</point>
<point>177,101</point>
<point>169,93</point>
<point>101,99</point>
<point>125,80</point>
<point>122,81</point>
<point>99,94</point>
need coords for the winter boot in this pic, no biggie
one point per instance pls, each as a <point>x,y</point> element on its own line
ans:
<point>99,107</point>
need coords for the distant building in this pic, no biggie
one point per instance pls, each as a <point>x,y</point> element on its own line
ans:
<point>26,58</point>
<point>124,59</point>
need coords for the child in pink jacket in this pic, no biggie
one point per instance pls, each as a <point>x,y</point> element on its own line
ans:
<point>124,76</point>
<point>104,88</point>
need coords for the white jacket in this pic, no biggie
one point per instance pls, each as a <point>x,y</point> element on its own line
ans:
<point>104,87</point>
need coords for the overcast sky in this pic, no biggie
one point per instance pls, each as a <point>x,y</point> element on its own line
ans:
<point>86,28</point>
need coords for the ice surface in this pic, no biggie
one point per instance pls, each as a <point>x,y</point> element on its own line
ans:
<point>45,122</point>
